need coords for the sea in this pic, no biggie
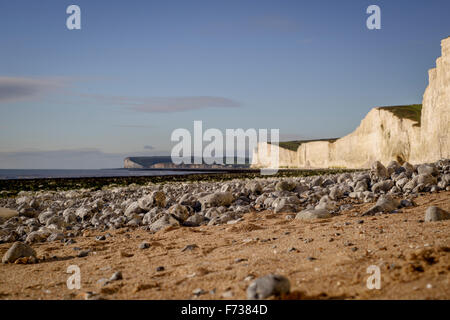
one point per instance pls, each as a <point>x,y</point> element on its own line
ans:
<point>6,174</point>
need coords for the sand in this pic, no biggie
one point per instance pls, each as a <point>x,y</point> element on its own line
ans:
<point>330,259</point>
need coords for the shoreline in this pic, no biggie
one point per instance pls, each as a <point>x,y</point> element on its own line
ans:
<point>11,187</point>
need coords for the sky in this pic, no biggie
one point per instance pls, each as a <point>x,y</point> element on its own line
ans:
<point>138,70</point>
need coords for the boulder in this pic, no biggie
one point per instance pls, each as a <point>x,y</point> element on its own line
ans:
<point>18,250</point>
<point>311,214</point>
<point>270,285</point>
<point>436,214</point>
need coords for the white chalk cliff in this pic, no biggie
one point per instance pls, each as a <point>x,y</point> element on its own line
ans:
<point>385,134</point>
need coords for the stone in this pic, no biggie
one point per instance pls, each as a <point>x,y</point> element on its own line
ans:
<point>179,212</point>
<point>116,276</point>
<point>144,245</point>
<point>18,250</point>
<point>157,198</point>
<point>84,213</point>
<point>385,203</point>
<point>189,247</point>
<point>434,213</point>
<point>311,214</point>
<point>254,187</point>
<point>382,186</point>
<point>285,186</point>
<point>55,237</point>
<point>194,220</point>
<point>378,171</point>
<point>426,179</point>
<point>217,199</point>
<point>133,209</point>
<point>427,169</point>
<point>270,285</point>
<point>165,221</point>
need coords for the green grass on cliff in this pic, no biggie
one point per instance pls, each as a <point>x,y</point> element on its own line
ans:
<point>293,145</point>
<point>411,112</point>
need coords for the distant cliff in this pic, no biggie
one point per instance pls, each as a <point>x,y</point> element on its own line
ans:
<point>165,162</point>
<point>415,133</point>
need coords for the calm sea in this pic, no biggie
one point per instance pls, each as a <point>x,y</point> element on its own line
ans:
<point>73,173</point>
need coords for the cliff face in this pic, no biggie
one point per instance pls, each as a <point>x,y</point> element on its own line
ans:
<point>435,130</point>
<point>384,134</point>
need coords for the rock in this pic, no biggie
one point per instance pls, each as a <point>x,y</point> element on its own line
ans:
<point>83,253</point>
<point>285,186</point>
<point>36,236</point>
<point>427,169</point>
<point>426,179</point>
<point>179,212</point>
<point>189,247</point>
<point>384,204</point>
<point>336,193</point>
<point>194,221</point>
<point>217,199</point>
<point>317,182</point>
<point>361,186</point>
<point>55,237</point>
<point>378,171</point>
<point>436,214</point>
<point>254,187</point>
<point>133,209</point>
<point>198,292</point>
<point>393,167</point>
<point>44,216</point>
<point>116,276</point>
<point>84,213</point>
<point>18,250</point>
<point>144,245</point>
<point>164,222</point>
<point>326,204</point>
<point>406,203</point>
<point>284,206</point>
<point>382,186</point>
<point>270,285</point>
<point>300,188</point>
<point>157,198</point>
<point>310,214</point>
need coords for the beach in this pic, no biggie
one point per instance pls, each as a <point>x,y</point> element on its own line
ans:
<point>212,239</point>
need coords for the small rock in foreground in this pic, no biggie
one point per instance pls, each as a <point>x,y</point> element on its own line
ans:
<point>436,214</point>
<point>18,250</point>
<point>270,285</point>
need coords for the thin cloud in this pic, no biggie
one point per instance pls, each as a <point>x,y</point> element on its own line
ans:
<point>16,89</point>
<point>276,23</point>
<point>166,104</point>
<point>180,104</point>
<point>133,126</point>
<point>149,147</point>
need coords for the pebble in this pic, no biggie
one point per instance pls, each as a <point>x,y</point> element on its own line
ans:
<point>144,245</point>
<point>270,285</point>
<point>18,250</point>
<point>189,247</point>
<point>434,213</point>
<point>116,276</point>
<point>197,292</point>
<point>83,253</point>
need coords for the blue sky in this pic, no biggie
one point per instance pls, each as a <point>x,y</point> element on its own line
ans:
<point>137,70</point>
